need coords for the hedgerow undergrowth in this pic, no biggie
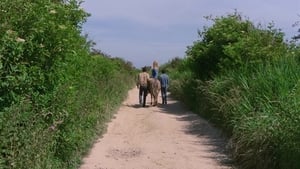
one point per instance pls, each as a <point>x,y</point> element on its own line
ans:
<point>261,109</point>
<point>55,97</point>
<point>245,79</point>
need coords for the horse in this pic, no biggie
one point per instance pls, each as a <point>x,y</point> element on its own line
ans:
<point>154,89</point>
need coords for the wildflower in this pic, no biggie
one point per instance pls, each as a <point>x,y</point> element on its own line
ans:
<point>52,127</point>
<point>62,27</point>
<point>10,31</point>
<point>20,40</point>
<point>53,11</point>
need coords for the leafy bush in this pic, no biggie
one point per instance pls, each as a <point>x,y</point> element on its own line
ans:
<point>246,80</point>
<point>232,43</point>
<point>54,96</point>
<point>30,44</point>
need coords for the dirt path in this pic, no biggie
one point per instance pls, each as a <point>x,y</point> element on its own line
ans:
<point>162,137</point>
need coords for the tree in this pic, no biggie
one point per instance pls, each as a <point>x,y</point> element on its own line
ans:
<point>231,43</point>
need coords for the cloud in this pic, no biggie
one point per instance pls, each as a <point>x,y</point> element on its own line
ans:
<point>151,13</point>
<point>144,54</point>
<point>169,12</point>
<point>140,30</point>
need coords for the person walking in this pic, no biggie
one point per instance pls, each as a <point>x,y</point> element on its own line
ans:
<point>164,81</point>
<point>142,86</point>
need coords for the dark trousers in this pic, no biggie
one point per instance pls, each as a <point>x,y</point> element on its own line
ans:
<point>164,95</point>
<point>143,95</point>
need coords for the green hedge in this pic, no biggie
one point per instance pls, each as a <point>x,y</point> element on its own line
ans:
<point>261,109</point>
<point>246,82</point>
<point>54,96</point>
<point>53,130</point>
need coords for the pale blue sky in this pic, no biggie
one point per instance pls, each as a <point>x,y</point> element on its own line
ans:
<point>142,31</point>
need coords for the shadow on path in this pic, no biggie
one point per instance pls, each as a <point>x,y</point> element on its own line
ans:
<point>200,127</point>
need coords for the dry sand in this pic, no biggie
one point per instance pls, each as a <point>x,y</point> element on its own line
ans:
<point>161,137</point>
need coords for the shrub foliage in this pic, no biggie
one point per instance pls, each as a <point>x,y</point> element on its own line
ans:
<point>246,79</point>
<point>54,96</point>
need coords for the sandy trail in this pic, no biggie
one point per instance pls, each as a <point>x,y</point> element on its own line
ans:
<point>162,137</point>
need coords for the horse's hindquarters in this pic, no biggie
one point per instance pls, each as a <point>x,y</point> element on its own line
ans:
<point>154,89</point>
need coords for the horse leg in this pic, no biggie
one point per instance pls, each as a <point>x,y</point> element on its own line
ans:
<point>155,101</point>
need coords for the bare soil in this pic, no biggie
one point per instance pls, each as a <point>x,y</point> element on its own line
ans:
<point>162,137</point>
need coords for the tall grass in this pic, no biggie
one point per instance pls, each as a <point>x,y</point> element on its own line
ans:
<point>259,108</point>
